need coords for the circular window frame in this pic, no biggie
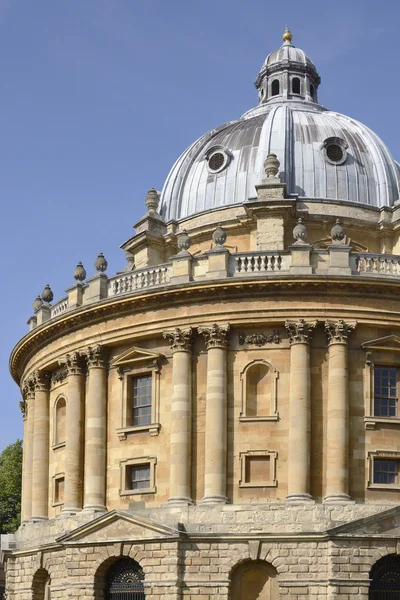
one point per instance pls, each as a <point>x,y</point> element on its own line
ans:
<point>335,141</point>
<point>218,150</point>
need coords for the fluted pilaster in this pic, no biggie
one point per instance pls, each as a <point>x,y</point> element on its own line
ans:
<point>337,414</point>
<point>40,446</point>
<point>216,339</point>
<point>181,415</point>
<point>96,429</point>
<point>299,333</point>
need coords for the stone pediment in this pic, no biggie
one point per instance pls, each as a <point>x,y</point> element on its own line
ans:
<point>135,355</point>
<point>385,524</point>
<point>389,342</point>
<point>117,526</point>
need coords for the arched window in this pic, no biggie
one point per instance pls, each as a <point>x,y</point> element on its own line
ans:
<point>60,414</point>
<point>41,585</point>
<point>275,87</point>
<point>124,580</point>
<point>385,578</point>
<point>312,91</point>
<point>259,391</point>
<point>296,85</point>
<point>254,580</point>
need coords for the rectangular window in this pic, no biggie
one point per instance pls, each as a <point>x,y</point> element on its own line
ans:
<point>385,391</point>
<point>138,477</point>
<point>59,490</point>
<point>141,400</point>
<point>386,471</point>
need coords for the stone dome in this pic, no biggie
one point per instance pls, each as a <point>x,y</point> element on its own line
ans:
<point>323,154</point>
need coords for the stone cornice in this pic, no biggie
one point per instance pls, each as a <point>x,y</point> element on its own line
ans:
<point>175,295</point>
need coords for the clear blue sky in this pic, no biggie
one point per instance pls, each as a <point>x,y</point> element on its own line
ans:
<point>99,97</point>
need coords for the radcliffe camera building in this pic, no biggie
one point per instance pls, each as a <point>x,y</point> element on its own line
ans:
<point>220,418</point>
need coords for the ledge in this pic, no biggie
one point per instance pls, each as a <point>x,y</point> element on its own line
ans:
<point>371,422</point>
<point>257,419</point>
<point>152,428</point>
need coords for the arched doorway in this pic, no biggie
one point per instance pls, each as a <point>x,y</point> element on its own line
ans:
<point>385,579</point>
<point>41,585</point>
<point>254,580</point>
<point>124,580</point>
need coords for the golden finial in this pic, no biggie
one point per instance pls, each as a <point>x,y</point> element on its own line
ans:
<point>287,36</point>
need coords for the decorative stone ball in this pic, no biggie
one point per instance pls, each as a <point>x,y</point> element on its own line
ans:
<point>184,240</point>
<point>37,303</point>
<point>47,294</point>
<point>79,272</point>
<point>337,231</point>
<point>271,165</point>
<point>300,231</point>
<point>100,263</point>
<point>152,200</point>
<point>219,236</point>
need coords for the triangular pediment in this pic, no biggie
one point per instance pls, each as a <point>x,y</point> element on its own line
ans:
<point>118,525</point>
<point>135,355</point>
<point>386,524</point>
<point>388,342</point>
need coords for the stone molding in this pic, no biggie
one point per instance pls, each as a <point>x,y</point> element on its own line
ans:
<point>259,339</point>
<point>300,332</point>
<point>74,363</point>
<point>180,339</point>
<point>215,336</point>
<point>96,357</point>
<point>337,332</point>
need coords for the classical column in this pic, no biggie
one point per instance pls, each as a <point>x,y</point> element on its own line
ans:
<point>27,409</point>
<point>40,446</point>
<point>96,430</point>
<point>299,334</point>
<point>337,414</point>
<point>181,416</point>
<point>74,433</point>
<point>216,339</point>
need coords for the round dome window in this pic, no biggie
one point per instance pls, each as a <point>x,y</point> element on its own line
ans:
<point>217,160</point>
<point>334,149</point>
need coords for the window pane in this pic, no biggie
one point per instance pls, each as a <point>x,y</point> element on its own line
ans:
<point>385,471</point>
<point>140,477</point>
<point>385,391</point>
<point>141,400</point>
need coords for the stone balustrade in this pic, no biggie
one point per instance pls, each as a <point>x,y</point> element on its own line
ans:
<point>299,260</point>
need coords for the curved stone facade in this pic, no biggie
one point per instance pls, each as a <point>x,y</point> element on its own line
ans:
<point>223,412</point>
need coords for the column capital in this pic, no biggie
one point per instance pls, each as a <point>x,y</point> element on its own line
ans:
<point>23,405</point>
<point>300,331</point>
<point>215,336</point>
<point>338,331</point>
<point>96,356</point>
<point>180,339</point>
<point>73,363</point>
<point>41,381</point>
<point>28,388</point>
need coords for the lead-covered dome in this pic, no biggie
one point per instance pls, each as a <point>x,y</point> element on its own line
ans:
<point>323,155</point>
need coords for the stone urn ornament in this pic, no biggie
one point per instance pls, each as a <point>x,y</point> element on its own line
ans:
<point>271,166</point>
<point>300,232</point>
<point>47,294</point>
<point>100,263</point>
<point>184,241</point>
<point>79,272</point>
<point>152,200</point>
<point>37,303</point>
<point>219,236</point>
<point>337,232</point>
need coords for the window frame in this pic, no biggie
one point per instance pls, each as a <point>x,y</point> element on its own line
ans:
<point>382,455</point>
<point>244,456</point>
<point>54,479</point>
<point>126,376</point>
<point>383,358</point>
<point>273,401</point>
<point>151,461</point>
<point>55,445</point>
